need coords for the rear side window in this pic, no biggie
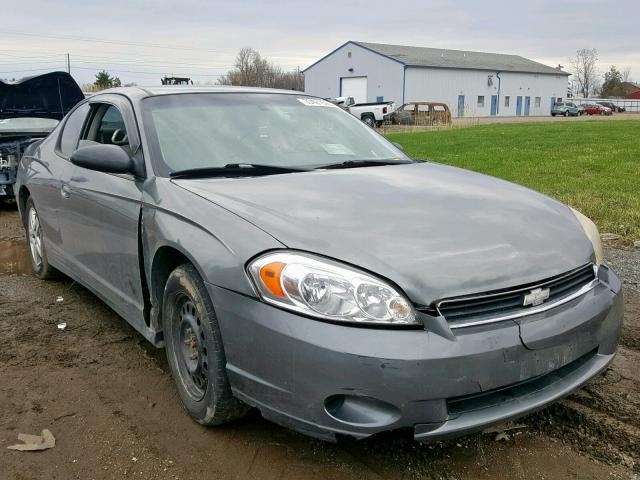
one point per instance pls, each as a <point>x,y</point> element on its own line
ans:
<point>72,129</point>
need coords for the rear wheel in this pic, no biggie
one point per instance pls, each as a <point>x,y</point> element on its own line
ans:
<point>566,113</point>
<point>194,350</point>
<point>37,251</point>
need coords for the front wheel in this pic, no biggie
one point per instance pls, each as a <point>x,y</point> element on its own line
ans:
<point>194,350</point>
<point>566,114</point>
<point>37,251</point>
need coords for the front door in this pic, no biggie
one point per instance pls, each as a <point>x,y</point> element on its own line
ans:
<point>460,105</point>
<point>494,104</point>
<point>519,106</point>
<point>553,102</point>
<point>527,106</point>
<point>100,216</point>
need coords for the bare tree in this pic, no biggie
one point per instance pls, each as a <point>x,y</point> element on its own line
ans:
<point>253,70</point>
<point>626,74</point>
<point>585,70</point>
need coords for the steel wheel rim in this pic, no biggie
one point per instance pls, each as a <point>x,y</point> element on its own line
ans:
<point>35,238</point>
<point>190,349</point>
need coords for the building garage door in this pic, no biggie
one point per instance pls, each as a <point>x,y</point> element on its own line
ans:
<point>355,87</point>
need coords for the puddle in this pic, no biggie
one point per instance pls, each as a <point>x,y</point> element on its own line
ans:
<point>14,257</point>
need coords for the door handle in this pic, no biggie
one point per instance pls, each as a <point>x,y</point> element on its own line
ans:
<point>65,191</point>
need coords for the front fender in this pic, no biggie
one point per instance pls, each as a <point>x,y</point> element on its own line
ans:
<point>216,241</point>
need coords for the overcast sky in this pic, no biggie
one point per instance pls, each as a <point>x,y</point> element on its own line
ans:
<point>140,41</point>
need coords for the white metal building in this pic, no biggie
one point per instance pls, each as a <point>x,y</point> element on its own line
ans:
<point>471,83</point>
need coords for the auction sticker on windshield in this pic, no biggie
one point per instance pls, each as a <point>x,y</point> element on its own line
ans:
<point>316,102</point>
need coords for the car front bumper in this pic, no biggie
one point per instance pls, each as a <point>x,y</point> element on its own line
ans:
<point>324,379</point>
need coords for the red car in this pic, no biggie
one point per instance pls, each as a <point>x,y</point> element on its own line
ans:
<point>595,109</point>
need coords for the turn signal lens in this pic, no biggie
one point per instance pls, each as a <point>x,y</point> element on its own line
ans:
<point>326,289</point>
<point>270,276</point>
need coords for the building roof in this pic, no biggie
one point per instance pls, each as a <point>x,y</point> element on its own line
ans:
<point>442,58</point>
<point>630,87</point>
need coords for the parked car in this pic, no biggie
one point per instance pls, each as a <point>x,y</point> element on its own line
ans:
<point>579,107</point>
<point>565,109</point>
<point>612,106</point>
<point>29,109</point>
<point>370,113</point>
<point>595,109</point>
<point>336,285</point>
<point>421,113</point>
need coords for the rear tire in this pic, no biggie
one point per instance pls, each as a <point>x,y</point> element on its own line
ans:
<point>566,113</point>
<point>35,237</point>
<point>194,350</point>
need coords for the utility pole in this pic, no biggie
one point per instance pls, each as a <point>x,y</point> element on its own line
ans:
<point>68,64</point>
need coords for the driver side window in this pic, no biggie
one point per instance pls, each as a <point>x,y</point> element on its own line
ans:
<point>107,127</point>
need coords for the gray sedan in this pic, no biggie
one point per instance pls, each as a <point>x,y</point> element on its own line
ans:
<point>290,259</point>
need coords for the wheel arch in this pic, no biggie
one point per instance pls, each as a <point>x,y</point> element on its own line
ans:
<point>23,195</point>
<point>166,259</point>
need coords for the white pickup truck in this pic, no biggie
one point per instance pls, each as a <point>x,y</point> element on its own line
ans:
<point>370,113</point>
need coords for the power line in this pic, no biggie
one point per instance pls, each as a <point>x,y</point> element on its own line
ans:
<point>32,70</point>
<point>146,45</point>
<point>112,42</point>
<point>146,72</point>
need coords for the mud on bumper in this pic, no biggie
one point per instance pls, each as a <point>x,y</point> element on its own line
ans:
<point>323,379</point>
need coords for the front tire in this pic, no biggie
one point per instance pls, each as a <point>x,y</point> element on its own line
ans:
<point>194,350</point>
<point>35,237</point>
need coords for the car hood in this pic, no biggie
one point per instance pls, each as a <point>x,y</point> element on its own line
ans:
<point>50,95</point>
<point>436,231</point>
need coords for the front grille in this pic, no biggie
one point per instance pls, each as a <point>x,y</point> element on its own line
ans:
<point>511,301</point>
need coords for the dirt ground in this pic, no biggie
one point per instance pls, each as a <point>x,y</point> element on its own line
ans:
<point>108,398</point>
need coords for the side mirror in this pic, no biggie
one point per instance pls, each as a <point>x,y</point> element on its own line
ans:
<point>103,158</point>
<point>398,146</point>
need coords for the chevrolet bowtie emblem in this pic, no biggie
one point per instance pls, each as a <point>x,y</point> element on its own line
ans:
<point>536,296</point>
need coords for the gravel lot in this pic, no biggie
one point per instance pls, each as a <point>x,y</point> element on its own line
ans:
<point>108,398</point>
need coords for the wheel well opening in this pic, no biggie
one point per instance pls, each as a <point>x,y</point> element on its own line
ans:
<point>165,261</point>
<point>23,194</point>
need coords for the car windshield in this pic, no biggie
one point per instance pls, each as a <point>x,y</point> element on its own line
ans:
<point>209,130</point>
<point>27,125</point>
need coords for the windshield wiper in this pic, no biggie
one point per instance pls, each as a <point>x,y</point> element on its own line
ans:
<point>362,163</point>
<point>234,170</point>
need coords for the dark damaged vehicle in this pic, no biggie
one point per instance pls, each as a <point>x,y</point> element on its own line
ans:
<point>29,110</point>
<point>293,260</point>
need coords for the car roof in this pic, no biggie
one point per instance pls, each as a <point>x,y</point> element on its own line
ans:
<point>138,93</point>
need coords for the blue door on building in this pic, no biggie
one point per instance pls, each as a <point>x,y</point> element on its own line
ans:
<point>519,106</point>
<point>460,105</point>
<point>494,104</point>
<point>527,106</point>
<point>553,102</point>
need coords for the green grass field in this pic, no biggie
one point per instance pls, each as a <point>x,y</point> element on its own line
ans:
<point>593,166</point>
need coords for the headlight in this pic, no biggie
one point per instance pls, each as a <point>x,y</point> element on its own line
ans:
<point>328,290</point>
<point>592,233</point>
